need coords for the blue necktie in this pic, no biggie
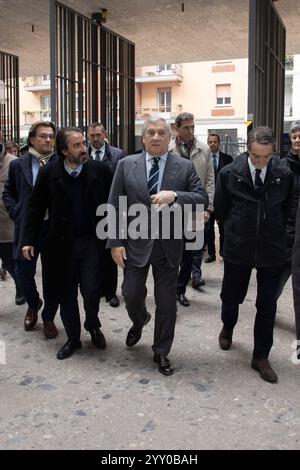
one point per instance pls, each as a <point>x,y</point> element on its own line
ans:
<point>153,177</point>
<point>97,153</point>
<point>215,163</point>
<point>258,182</point>
<point>74,174</point>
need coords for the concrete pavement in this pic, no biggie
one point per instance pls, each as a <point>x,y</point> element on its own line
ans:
<point>116,399</point>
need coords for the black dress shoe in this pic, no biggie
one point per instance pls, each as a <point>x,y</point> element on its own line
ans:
<point>20,299</point>
<point>68,349</point>
<point>98,338</point>
<point>183,300</point>
<point>225,338</point>
<point>114,302</point>
<point>197,283</point>
<point>164,365</point>
<point>210,259</point>
<point>135,333</point>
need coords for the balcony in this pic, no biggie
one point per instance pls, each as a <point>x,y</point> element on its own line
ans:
<point>32,116</point>
<point>155,74</point>
<point>36,83</point>
<point>144,112</point>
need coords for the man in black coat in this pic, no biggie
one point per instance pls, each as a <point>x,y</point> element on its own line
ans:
<point>253,198</point>
<point>220,159</point>
<point>100,150</point>
<point>71,189</point>
<point>22,177</point>
<point>293,162</point>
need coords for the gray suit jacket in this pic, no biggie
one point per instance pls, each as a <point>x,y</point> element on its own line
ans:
<point>131,180</point>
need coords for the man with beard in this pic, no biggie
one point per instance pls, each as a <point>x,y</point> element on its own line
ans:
<point>22,176</point>
<point>71,189</point>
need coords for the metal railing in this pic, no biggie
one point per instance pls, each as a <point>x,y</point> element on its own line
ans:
<point>36,81</point>
<point>168,112</point>
<point>92,75</point>
<point>9,96</point>
<point>234,147</point>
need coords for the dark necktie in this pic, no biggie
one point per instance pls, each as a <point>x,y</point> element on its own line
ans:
<point>258,182</point>
<point>215,163</point>
<point>74,174</point>
<point>153,177</point>
<point>97,157</point>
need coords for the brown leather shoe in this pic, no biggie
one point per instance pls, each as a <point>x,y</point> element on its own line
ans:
<point>225,338</point>
<point>31,316</point>
<point>265,370</point>
<point>50,330</point>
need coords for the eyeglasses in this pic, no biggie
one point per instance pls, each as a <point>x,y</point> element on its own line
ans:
<point>46,136</point>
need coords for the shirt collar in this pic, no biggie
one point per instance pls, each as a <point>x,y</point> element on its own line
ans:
<point>70,170</point>
<point>101,149</point>
<point>189,144</point>
<point>252,168</point>
<point>162,157</point>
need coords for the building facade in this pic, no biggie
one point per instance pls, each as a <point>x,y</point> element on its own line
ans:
<point>215,92</point>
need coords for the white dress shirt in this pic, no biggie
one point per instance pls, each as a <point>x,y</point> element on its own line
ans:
<point>252,171</point>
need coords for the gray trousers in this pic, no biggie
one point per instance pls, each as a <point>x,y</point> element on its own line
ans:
<point>165,284</point>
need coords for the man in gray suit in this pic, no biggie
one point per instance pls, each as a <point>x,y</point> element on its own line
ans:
<point>158,179</point>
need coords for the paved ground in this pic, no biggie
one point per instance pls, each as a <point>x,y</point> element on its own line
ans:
<point>116,399</point>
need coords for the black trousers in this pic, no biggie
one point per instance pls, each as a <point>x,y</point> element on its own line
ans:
<point>210,236</point>
<point>191,263</point>
<point>6,255</point>
<point>85,274</point>
<point>234,289</point>
<point>165,285</point>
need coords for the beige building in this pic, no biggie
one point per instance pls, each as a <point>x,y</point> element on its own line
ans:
<point>215,92</point>
<point>34,101</point>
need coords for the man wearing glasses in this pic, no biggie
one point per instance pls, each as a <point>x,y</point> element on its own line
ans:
<point>253,202</point>
<point>22,176</point>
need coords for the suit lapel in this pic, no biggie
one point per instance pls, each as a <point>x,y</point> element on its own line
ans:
<point>26,168</point>
<point>107,154</point>
<point>169,173</point>
<point>220,162</point>
<point>59,174</point>
<point>140,174</point>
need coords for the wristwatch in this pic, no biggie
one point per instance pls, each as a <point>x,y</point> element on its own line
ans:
<point>175,196</point>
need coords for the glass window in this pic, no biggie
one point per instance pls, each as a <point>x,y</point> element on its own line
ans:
<point>223,94</point>
<point>164,100</point>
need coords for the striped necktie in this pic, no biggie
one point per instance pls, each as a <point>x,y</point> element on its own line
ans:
<point>153,176</point>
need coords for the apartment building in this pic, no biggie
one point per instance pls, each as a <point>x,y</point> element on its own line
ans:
<point>215,92</point>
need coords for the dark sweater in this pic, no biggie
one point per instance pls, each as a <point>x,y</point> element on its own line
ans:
<point>81,220</point>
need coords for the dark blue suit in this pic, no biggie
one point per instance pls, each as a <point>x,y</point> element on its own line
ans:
<point>16,195</point>
<point>111,157</point>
